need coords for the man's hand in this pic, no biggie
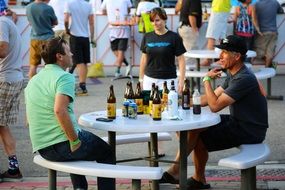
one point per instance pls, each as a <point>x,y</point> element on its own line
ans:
<point>74,147</point>
<point>215,73</point>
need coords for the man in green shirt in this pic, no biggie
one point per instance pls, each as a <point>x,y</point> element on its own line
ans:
<point>54,131</point>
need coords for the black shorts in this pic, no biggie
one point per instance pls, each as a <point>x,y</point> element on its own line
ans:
<point>119,44</point>
<point>80,48</point>
<point>228,134</point>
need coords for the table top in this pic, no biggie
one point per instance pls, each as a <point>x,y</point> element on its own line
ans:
<point>144,123</point>
<point>212,54</point>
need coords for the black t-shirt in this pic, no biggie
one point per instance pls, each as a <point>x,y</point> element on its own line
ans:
<point>191,8</point>
<point>161,51</point>
<point>250,107</point>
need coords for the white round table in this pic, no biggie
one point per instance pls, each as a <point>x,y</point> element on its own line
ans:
<point>144,123</point>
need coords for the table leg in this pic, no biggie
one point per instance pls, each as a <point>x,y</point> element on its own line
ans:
<point>183,160</point>
<point>154,155</point>
<point>112,141</point>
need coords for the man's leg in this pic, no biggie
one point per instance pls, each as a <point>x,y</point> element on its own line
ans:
<point>192,139</point>
<point>82,72</point>
<point>32,71</point>
<point>200,157</point>
<point>119,60</point>
<point>9,143</point>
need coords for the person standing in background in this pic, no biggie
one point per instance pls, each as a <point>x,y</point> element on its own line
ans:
<point>11,85</point>
<point>81,14</point>
<point>265,41</point>
<point>119,35</point>
<point>217,25</point>
<point>190,22</point>
<point>159,50</point>
<point>41,18</point>
<point>58,7</point>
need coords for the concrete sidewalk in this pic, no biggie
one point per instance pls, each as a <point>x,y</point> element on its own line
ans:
<point>270,176</point>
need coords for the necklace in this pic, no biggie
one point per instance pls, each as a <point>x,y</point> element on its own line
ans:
<point>161,33</point>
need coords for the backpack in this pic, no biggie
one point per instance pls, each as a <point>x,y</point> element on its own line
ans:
<point>244,25</point>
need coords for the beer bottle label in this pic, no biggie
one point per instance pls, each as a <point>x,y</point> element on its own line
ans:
<point>165,99</point>
<point>156,111</point>
<point>145,109</point>
<point>139,103</point>
<point>150,107</point>
<point>111,110</point>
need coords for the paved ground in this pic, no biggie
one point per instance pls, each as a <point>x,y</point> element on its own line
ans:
<point>271,175</point>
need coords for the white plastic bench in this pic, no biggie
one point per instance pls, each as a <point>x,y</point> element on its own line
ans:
<point>246,160</point>
<point>267,73</point>
<point>92,168</point>
<point>139,138</point>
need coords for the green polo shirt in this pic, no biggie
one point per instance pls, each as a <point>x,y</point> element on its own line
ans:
<point>40,94</point>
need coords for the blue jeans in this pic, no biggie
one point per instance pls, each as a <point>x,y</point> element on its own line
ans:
<point>92,148</point>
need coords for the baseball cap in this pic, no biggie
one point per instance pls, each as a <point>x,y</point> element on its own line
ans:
<point>233,43</point>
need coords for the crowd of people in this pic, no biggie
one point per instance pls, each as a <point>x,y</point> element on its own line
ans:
<point>65,45</point>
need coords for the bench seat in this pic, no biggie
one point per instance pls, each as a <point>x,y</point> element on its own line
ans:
<point>139,138</point>
<point>246,160</point>
<point>92,168</point>
<point>265,73</point>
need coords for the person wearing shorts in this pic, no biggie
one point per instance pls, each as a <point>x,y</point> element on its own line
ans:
<point>42,18</point>
<point>217,25</point>
<point>118,35</point>
<point>246,123</point>
<point>80,30</point>
<point>11,84</point>
<point>265,42</point>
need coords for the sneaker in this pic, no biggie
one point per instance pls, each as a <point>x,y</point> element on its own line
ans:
<point>80,92</point>
<point>6,177</point>
<point>118,75</point>
<point>167,178</point>
<point>194,184</point>
<point>128,70</point>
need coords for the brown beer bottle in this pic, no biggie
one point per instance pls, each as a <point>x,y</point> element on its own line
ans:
<point>139,99</point>
<point>151,98</point>
<point>186,95</point>
<point>131,94</point>
<point>156,105</point>
<point>165,92</point>
<point>127,91</point>
<point>111,104</point>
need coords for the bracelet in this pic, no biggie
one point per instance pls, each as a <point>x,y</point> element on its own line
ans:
<point>140,80</point>
<point>207,78</point>
<point>73,143</point>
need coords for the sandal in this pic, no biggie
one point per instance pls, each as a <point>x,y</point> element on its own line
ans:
<point>194,184</point>
<point>167,178</point>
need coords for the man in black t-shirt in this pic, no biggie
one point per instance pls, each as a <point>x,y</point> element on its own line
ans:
<point>247,122</point>
<point>190,22</point>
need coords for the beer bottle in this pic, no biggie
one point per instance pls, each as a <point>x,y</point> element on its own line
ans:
<point>127,91</point>
<point>165,92</point>
<point>196,102</point>
<point>111,104</point>
<point>131,92</point>
<point>186,95</point>
<point>139,99</point>
<point>172,101</point>
<point>151,98</point>
<point>156,105</point>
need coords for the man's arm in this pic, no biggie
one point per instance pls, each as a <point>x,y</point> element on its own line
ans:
<point>61,113</point>
<point>91,27</point>
<point>4,48</point>
<point>66,22</point>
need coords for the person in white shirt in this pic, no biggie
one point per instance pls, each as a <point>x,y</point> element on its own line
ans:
<point>58,7</point>
<point>81,14</point>
<point>119,35</point>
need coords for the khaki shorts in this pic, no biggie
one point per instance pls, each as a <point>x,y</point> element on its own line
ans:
<point>265,45</point>
<point>9,102</point>
<point>35,51</point>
